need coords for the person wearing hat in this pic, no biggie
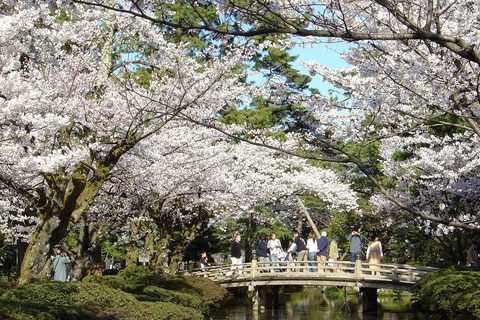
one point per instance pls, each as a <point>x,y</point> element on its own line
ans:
<point>334,251</point>
<point>261,247</point>
<point>472,256</point>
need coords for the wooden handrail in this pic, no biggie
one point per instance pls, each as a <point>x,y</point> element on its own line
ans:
<point>325,271</point>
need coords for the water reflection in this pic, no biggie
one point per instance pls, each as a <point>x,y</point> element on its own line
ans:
<point>313,305</point>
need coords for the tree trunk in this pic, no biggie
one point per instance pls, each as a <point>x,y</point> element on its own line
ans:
<point>70,197</point>
<point>53,227</point>
<point>131,256</point>
<point>188,235</point>
<point>88,246</point>
<point>164,221</point>
<point>161,265</point>
<point>300,222</point>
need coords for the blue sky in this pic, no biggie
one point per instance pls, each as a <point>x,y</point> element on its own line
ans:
<point>330,58</point>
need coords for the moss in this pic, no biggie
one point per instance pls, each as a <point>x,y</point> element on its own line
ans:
<point>450,292</point>
<point>208,291</point>
<point>112,281</point>
<point>58,300</point>
<point>134,274</point>
<point>156,294</point>
<point>135,293</point>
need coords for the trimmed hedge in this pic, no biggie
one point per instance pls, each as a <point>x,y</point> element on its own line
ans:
<point>450,294</point>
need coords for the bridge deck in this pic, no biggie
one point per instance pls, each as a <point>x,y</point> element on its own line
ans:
<point>340,273</point>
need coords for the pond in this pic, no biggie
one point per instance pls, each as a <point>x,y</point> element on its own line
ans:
<point>313,304</point>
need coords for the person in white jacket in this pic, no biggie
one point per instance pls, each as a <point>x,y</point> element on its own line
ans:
<point>312,249</point>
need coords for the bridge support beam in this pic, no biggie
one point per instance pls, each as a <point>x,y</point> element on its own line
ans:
<point>253,291</point>
<point>368,297</point>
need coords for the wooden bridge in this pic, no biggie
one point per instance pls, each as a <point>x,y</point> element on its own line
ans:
<point>364,277</point>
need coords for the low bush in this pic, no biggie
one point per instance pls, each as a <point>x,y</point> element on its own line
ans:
<point>111,281</point>
<point>450,293</point>
<point>82,301</point>
<point>155,294</point>
<point>136,274</point>
<point>211,293</point>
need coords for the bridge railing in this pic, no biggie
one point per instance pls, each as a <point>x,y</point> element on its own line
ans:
<point>326,269</point>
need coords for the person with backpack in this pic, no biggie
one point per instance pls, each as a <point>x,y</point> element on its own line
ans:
<point>58,271</point>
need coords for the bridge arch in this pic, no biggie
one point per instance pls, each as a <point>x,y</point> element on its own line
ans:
<point>366,278</point>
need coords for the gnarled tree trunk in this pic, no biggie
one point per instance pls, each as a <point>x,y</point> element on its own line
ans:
<point>69,198</point>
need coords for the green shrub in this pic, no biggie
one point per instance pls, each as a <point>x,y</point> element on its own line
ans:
<point>450,292</point>
<point>82,301</point>
<point>136,274</point>
<point>210,292</point>
<point>70,293</point>
<point>111,281</point>
<point>155,294</point>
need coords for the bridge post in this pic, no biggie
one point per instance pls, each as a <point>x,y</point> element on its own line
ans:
<point>368,298</point>
<point>358,268</point>
<point>254,268</point>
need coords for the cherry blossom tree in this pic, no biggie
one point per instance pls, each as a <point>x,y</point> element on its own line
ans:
<point>74,116</point>
<point>66,122</point>
<point>188,175</point>
<point>415,67</point>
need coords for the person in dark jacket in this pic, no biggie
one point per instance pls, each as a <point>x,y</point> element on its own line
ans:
<point>260,246</point>
<point>236,254</point>
<point>322,244</point>
<point>204,261</point>
<point>299,246</point>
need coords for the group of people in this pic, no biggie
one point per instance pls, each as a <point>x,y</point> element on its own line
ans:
<point>312,250</point>
<point>316,249</point>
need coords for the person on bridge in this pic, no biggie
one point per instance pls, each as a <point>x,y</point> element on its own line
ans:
<point>374,252</point>
<point>472,256</point>
<point>299,246</point>
<point>236,254</point>
<point>322,244</point>
<point>334,251</point>
<point>261,246</point>
<point>312,249</point>
<point>356,240</point>
<point>204,261</point>
<point>275,247</point>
